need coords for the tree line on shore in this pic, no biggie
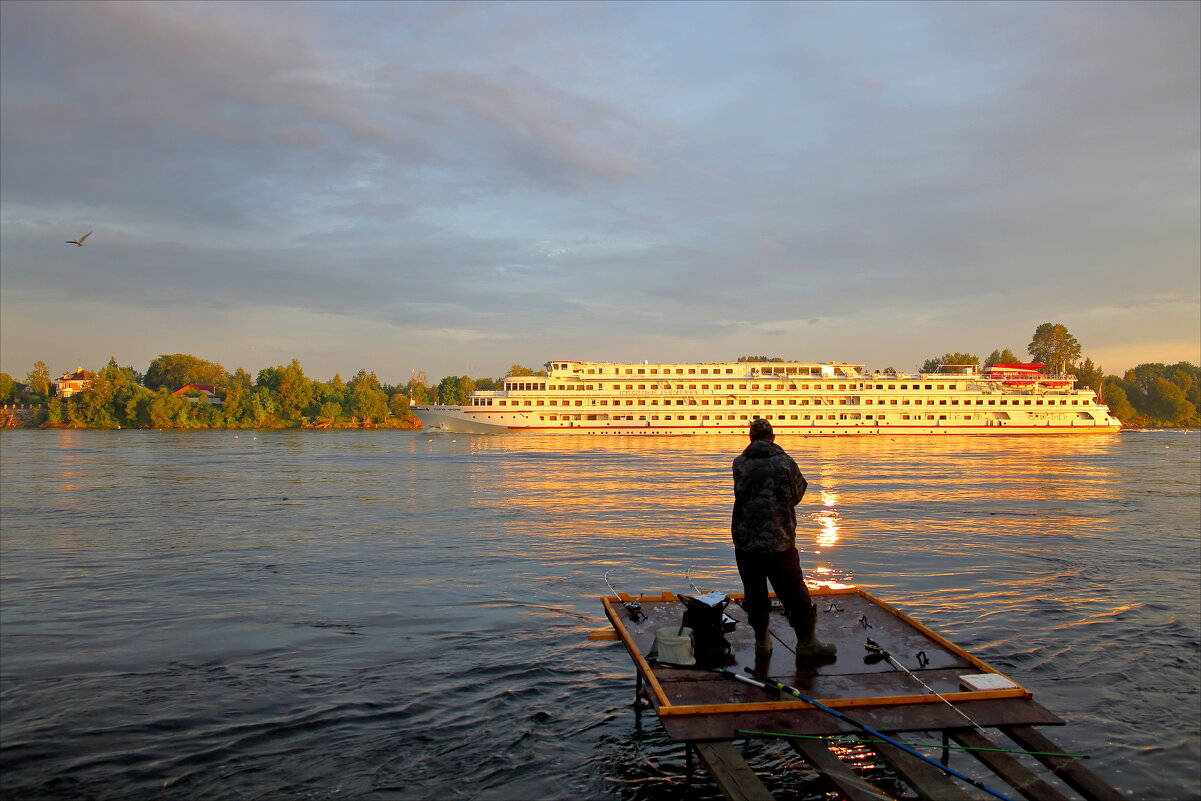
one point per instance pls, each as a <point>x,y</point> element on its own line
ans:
<point>1150,395</point>
<point>278,397</point>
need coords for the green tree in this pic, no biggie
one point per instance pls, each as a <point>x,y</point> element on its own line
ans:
<point>517,370</point>
<point>958,359</point>
<point>1054,347</point>
<point>177,370</point>
<point>1005,356</point>
<point>760,359</point>
<point>1119,406</point>
<point>235,390</point>
<point>1167,403</point>
<point>7,388</point>
<point>56,414</point>
<point>1090,375</point>
<point>113,399</point>
<point>292,389</point>
<point>165,409</point>
<point>329,411</point>
<point>38,380</point>
<point>264,407</point>
<point>365,397</point>
<point>453,390</point>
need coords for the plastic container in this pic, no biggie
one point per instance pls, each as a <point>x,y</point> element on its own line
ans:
<point>674,646</point>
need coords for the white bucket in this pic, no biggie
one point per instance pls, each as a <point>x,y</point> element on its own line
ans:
<point>674,646</point>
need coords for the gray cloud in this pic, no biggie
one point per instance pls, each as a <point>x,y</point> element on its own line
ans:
<point>696,176</point>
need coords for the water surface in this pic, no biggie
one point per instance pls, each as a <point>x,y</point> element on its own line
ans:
<point>386,615</point>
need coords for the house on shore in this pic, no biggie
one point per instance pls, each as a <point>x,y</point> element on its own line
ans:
<point>72,383</point>
<point>194,392</point>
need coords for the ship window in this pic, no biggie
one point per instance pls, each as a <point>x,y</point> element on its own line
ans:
<point>942,403</point>
<point>629,386</point>
<point>904,386</point>
<point>992,403</point>
<point>894,401</point>
<point>705,371</point>
<point>642,386</point>
<point>954,403</point>
<point>641,371</point>
<point>929,386</point>
<point>654,371</point>
<point>940,386</point>
<point>842,386</point>
<point>754,386</point>
<point>904,417</point>
<point>942,417</point>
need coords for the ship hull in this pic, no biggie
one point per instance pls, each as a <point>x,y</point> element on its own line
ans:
<point>471,420</point>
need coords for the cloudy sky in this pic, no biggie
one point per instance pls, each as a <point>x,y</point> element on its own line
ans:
<point>459,187</point>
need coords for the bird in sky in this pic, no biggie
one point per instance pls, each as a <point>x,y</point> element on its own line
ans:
<point>78,242</point>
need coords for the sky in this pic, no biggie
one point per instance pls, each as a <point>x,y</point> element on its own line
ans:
<point>455,188</point>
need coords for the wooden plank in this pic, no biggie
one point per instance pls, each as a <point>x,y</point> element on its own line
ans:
<point>851,785</point>
<point>1012,772</point>
<point>1071,770</point>
<point>913,717</point>
<point>733,776</point>
<point>930,783</point>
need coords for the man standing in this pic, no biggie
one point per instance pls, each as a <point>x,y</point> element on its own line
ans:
<point>767,487</point>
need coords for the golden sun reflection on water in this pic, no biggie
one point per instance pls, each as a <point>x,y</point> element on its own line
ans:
<point>828,519</point>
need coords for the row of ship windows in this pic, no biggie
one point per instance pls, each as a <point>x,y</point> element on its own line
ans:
<point>716,417</point>
<point>530,386</point>
<point>778,402</point>
<point>688,371</point>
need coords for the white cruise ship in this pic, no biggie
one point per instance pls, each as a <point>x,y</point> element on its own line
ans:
<point>805,398</point>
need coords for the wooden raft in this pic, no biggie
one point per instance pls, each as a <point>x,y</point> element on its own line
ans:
<point>708,711</point>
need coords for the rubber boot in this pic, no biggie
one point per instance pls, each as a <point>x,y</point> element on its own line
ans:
<point>760,623</point>
<point>807,643</point>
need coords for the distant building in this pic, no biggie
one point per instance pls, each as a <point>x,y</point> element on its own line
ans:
<point>194,392</point>
<point>72,383</point>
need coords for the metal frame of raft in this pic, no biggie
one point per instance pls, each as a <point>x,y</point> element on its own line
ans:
<point>848,698</point>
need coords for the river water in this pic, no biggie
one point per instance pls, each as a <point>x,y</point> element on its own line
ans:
<point>403,615</point>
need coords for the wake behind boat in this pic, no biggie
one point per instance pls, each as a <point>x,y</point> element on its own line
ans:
<point>810,398</point>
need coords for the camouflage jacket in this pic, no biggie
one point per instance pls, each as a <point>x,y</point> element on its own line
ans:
<point>767,486</point>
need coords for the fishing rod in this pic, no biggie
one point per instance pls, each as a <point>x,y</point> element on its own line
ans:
<point>633,607</point>
<point>770,684</point>
<point>840,738</point>
<point>877,653</point>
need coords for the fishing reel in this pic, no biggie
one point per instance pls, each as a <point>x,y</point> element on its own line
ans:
<point>632,607</point>
<point>875,652</point>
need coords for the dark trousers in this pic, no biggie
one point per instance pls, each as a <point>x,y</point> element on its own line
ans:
<point>783,570</point>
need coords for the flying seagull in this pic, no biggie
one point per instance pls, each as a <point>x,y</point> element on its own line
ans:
<point>78,242</point>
